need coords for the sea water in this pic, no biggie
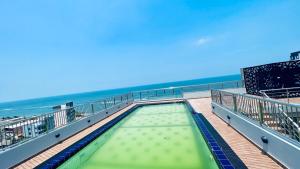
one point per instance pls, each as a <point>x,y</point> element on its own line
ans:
<point>44,105</point>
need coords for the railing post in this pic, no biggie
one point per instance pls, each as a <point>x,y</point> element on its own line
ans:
<point>92,107</point>
<point>287,95</point>
<point>261,113</point>
<point>105,104</point>
<point>114,100</point>
<point>220,95</point>
<point>140,95</point>
<point>234,103</point>
<point>132,96</point>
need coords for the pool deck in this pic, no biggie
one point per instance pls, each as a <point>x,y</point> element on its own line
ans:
<point>250,155</point>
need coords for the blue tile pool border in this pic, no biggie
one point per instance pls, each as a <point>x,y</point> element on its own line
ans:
<point>216,150</point>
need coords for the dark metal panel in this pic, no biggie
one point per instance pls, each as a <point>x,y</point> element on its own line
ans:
<point>272,76</point>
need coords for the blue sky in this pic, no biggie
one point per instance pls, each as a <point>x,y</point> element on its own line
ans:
<point>54,47</point>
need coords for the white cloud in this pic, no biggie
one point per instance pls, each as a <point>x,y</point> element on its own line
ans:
<point>203,41</point>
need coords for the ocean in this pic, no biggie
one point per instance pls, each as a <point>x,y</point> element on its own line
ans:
<point>44,105</point>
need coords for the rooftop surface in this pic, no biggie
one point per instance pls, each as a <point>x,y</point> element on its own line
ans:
<point>250,155</point>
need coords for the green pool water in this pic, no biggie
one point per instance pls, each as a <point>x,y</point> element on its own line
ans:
<point>151,137</point>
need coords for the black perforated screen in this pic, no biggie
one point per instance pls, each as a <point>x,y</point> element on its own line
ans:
<point>272,76</point>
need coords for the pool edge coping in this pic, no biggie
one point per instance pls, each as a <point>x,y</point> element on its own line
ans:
<point>71,150</point>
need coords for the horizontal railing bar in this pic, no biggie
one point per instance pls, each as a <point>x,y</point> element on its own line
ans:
<point>188,86</point>
<point>289,88</point>
<point>55,111</point>
<point>262,99</point>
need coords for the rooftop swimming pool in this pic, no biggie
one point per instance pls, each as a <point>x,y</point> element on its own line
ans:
<point>162,136</point>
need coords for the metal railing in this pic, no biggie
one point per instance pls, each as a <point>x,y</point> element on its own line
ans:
<point>158,94</point>
<point>177,92</point>
<point>19,131</point>
<point>279,116</point>
<point>282,93</point>
<point>213,86</point>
